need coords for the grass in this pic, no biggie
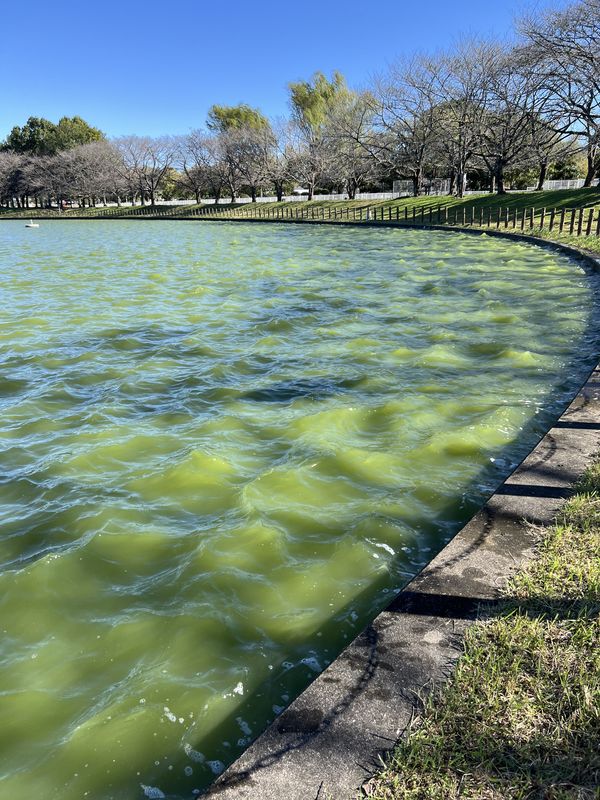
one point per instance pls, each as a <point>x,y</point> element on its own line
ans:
<point>564,198</point>
<point>520,718</point>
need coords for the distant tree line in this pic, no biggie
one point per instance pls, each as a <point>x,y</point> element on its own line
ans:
<point>483,114</point>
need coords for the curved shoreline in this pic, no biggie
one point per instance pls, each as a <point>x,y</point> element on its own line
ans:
<point>329,741</point>
<point>326,743</point>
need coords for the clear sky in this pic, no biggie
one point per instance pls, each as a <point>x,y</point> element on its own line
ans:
<point>150,67</point>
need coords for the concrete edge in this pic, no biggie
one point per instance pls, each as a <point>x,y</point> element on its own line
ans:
<point>330,740</point>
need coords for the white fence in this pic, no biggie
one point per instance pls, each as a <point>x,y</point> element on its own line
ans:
<point>573,184</point>
<point>303,197</point>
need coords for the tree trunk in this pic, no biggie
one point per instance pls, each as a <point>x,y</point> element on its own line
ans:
<point>591,171</point>
<point>500,178</point>
<point>253,193</point>
<point>452,185</point>
<point>542,175</point>
<point>279,192</point>
<point>152,198</point>
<point>492,188</point>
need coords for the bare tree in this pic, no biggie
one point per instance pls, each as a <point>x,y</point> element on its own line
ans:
<point>514,99</point>
<point>400,132</point>
<point>278,164</point>
<point>348,131</point>
<point>14,183</point>
<point>564,48</point>
<point>147,161</point>
<point>248,150</point>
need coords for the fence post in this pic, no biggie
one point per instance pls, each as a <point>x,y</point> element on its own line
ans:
<point>588,229</point>
<point>572,222</point>
<point>532,218</point>
<point>397,213</point>
<point>543,218</point>
<point>598,224</point>
<point>580,222</point>
<point>523,215</point>
<point>422,215</point>
<point>499,216</point>
<point>551,224</point>
<point>562,219</point>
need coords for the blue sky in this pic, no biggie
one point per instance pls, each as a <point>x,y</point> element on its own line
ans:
<point>149,67</point>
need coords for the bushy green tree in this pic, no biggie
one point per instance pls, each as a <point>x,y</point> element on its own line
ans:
<point>226,118</point>
<point>40,137</point>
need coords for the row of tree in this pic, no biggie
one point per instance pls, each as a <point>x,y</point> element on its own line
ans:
<point>482,111</point>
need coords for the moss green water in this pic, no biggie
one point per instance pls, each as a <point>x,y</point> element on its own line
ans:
<point>223,448</point>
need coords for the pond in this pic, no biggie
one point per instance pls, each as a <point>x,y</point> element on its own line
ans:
<point>224,448</point>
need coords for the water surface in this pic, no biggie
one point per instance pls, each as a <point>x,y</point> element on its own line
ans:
<point>223,448</point>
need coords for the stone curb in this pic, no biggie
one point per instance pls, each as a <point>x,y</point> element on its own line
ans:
<point>330,740</point>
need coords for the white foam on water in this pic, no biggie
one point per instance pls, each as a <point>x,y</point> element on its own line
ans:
<point>244,727</point>
<point>169,714</point>
<point>239,689</point>
<point>152,792</point>
<point>195,755</point>
<point>312,662</point>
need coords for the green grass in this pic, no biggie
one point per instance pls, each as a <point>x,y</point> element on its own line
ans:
<point>520,718</point>
<point>564,198</point>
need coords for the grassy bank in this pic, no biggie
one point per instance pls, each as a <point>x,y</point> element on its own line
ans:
<point>558,199</point>
<point>520,718</point>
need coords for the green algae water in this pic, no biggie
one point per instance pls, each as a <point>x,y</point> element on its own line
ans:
<point>224,448</point>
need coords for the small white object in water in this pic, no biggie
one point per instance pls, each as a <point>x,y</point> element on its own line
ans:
<point>239,689</point>
<point>217,767</point>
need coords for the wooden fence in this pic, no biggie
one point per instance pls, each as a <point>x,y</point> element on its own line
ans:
<point>572,221</point>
